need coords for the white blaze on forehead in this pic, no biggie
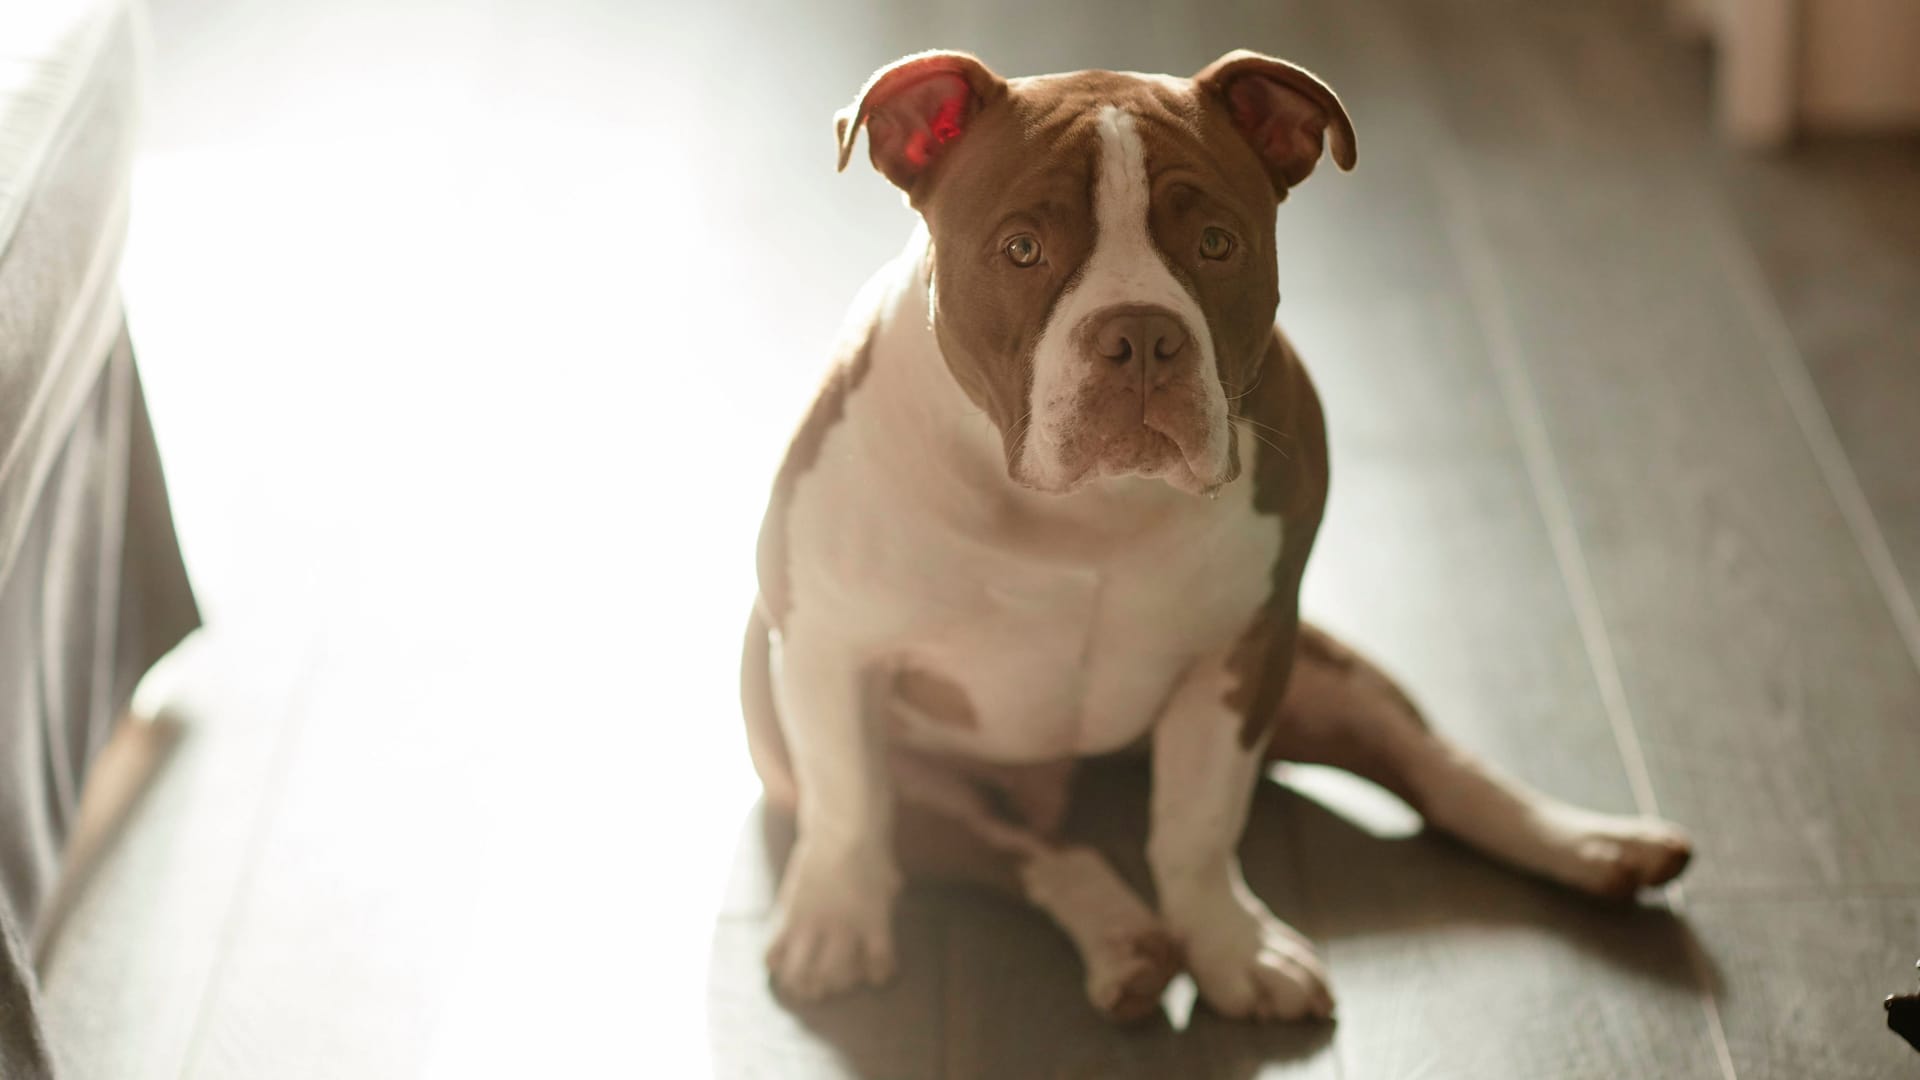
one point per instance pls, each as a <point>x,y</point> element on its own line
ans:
<point>1124,268</point>
<point>1121,192</point>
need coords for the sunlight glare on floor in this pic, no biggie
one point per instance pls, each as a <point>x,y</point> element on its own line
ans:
<point>522,509</point>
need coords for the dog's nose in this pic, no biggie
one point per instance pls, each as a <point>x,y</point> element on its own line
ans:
<point>1140,332</point>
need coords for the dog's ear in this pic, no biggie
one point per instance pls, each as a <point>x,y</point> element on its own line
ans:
<point>913,109</point>
<point>1283,111</point>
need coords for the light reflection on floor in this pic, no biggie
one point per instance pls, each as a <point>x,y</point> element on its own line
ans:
<point>399,409</point>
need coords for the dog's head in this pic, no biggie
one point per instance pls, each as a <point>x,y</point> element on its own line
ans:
<point>1104,277</point>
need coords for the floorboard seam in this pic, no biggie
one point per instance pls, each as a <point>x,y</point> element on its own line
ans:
<point>1790,373</point>
<point>1492,311</point>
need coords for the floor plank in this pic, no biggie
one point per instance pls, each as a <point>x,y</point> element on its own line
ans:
<point>1740,739</point>
<point>1435,557</point>
<point>1835,234</point>
<point>1643,377</point>
<point>896,1031</point>
<point>127,980</point>
<point>352,853</point>
<point>1804,978</point>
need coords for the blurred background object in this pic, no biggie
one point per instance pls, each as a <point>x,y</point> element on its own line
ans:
<point>1815,66</point>
<point>473,331</point>
<point>92,590</point>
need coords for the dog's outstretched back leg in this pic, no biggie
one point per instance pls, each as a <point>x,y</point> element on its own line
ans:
<point>1342,710</point>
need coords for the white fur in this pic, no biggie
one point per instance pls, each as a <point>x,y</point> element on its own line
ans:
<point>1124,268</point>
<point>1246,961</point>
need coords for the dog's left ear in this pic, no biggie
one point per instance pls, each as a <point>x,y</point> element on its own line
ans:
<point>1283,111</point>
<point>912,109</point>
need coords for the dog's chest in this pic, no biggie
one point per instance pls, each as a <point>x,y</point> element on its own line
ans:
<point>1022,660</point>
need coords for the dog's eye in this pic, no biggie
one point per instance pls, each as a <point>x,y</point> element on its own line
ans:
<point>1023,250</point>
<point>1216,243</point>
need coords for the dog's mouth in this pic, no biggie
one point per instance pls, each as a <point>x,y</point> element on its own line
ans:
<point>1140,451</point>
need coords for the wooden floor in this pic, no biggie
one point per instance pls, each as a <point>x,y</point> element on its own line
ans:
<point>473,331</point>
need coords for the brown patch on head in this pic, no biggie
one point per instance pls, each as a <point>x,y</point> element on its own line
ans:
<point>1223,166</point>
<point>1207,178</point>
<point>829,405</point>
<point>1025,173</point>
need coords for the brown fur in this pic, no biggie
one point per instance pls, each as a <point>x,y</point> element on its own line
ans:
<point>1338,708</point>
<point>1290,481</point>
<point>828,406</point>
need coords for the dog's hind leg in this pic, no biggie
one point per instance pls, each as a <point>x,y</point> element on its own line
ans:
<point>948,828</point>
<point>1341,710</point>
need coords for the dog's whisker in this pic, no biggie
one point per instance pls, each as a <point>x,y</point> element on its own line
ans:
<point>1269,428</point>
<point>1255,432</point>
<point>1251,387</point>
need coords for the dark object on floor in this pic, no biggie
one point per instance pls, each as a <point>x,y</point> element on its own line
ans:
<point>1903,1016</point>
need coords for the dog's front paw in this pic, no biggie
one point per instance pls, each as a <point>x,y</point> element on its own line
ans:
<point>1249,964</point>
<point>833,930</point>
<point>1616,857</point>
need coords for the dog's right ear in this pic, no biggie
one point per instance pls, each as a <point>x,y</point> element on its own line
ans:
<point>1283,111</point>
<point>913,109</point>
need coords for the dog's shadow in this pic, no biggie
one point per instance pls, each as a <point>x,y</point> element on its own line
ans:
<point>988,987</point>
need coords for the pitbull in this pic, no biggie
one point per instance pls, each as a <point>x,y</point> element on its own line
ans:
<point>1054,501</point>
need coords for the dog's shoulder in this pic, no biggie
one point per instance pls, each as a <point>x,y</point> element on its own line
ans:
<point>852,362</point>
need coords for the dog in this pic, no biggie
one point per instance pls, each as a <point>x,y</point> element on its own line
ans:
<point>1054,500</point>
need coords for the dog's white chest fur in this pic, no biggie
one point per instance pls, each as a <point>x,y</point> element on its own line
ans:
<point>1070,659</point>
<point>1058,624</point>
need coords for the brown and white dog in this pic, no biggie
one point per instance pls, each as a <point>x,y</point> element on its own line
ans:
<point>1054,501</point>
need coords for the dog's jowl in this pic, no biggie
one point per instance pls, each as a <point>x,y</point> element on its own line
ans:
<point>1054,500</point>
